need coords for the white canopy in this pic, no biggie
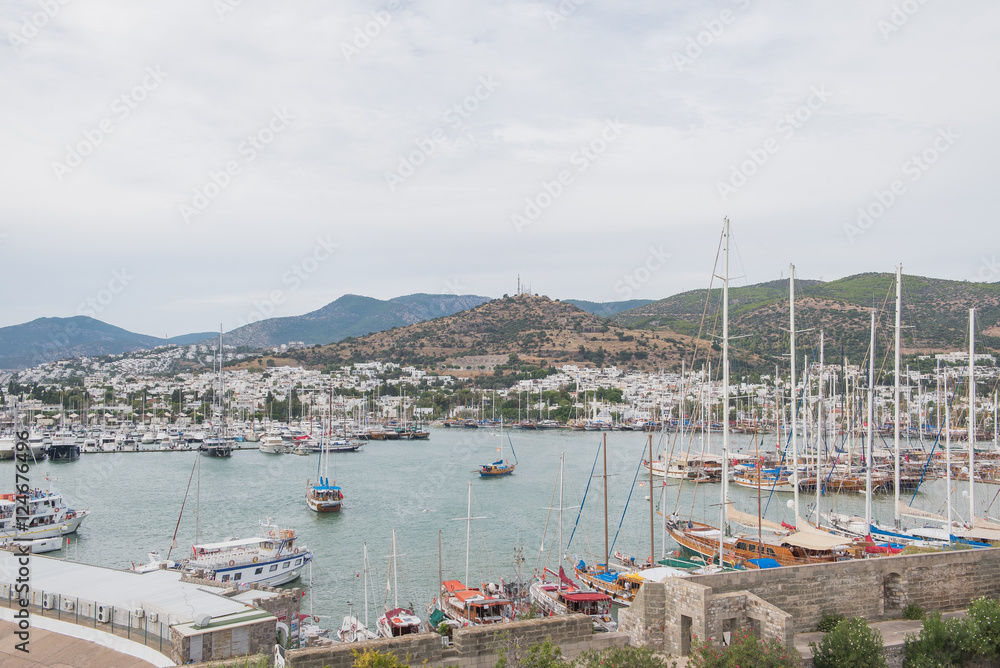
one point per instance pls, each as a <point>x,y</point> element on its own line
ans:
<point>910,511</point>
<point>749,520</point>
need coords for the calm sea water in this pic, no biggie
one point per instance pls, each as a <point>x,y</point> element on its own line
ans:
<point>418,488</point>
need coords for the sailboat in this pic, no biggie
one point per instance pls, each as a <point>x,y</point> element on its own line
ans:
<point>501,466</point>
<point>468,605</point>
<point>324,497</point>
<point>564,597</point>
<point>351,629</point>
<point>218,445</point>
<point>806,546</point>
<point>396,621</point>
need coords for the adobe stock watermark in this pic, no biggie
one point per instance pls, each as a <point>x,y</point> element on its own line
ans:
<point>989,269</point>
<point>453,116</point>
<point>32,25</point>
<point>292,278</point>
<point>121,108</point>
<point>365,34</point>
<point>633,281</point>
<point>786,127</point>
<point>225,7</point>
<point>560,14</point>
<point>914,168</point>
<point>102,299</point>
<point>455,286</point>
<point>899,17</point>
<point>714,29</point>
<point>549,191</point>
<point>248,150</point>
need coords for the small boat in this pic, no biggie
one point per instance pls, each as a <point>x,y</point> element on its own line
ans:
<point>553,599</point>
<point>501,467</point>
<point>271,444</point>
<point>36,546</point>
<point>324,497</point>
<point>351,629</point>
<point>397,621</point>
<point>47,517</point>
<point>473,607</point>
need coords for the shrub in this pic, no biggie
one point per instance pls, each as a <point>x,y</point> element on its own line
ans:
<point>913,611</point>
<point>940,643</point>
<point>513,653</point>
<point>621,657</point>
<point>829,621</point>
<point>984,614</point>
<point>371,658</point>
<point>744,649</point>
<point>851,644</point>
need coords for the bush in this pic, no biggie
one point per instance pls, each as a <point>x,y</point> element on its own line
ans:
<point>913,611</point>
<point>371,658</point>
<point>513,653</point>
<point>985,616</point>
<point>744,649</point>
<point>851,644</point>
<point>829,621</point>
<point>940,643</point>
<point>622,657</point>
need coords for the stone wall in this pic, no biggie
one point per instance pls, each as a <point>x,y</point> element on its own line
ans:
<point>777,603</point>
<point>473,647</point>
<point>876,589</point>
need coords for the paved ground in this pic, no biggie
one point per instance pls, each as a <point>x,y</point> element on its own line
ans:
<point>893,633</point>
<point>51,650</point>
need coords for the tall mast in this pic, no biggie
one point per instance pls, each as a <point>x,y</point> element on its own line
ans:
<point>869,450</point>
<point>395,572</point>
<point>947,443</point>
<point>795,418</point>
<point>895,398</point>
<point>652,547</point>
<point>605,448</point>
<point>562,459</point>
<point>819,429</point>
<point>725,379</point>
<point>364,547</point>
<point>972,414</point>
<point>468,530</point>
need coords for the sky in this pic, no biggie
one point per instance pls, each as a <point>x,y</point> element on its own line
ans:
<point>170,167</point>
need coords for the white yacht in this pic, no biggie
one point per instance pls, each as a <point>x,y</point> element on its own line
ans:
<point>272,444</point>
<point>48,516</point>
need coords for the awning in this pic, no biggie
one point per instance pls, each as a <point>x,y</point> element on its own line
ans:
<point>910,511</point>
<point>814,541</point>
<point>749,520</point>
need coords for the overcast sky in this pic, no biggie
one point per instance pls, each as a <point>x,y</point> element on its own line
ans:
<point>172,167</point>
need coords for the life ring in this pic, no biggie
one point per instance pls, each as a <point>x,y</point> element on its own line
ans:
<point>255,560</point>
<point>296,550</point>
<point>677,553</point>
<point>232,562</point>
<point>710,560</point>
<point>316,619</point>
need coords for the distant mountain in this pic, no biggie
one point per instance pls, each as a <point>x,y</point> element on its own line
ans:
<point>607,309</point>
<point>350,315</point>
<point>535,330</point>
<point>934,316</point>
<point>49,339</point>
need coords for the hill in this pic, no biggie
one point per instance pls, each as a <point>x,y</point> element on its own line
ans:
<point>50,339</point>
<point>606,309</point>
<point>934,315</point>
<point>350,315</point>
<point>538,331</point>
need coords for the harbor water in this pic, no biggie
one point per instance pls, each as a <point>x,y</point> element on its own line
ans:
<point>420,488</point>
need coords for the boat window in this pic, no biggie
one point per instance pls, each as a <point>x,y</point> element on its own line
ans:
<point>771,553</point>
<point>741,545</point>
<point>238,576</point>
<point>286,564</point>
<point>259,571</point>
<point>298,562</point>
<point>273,567</point>
<point>225,578</point>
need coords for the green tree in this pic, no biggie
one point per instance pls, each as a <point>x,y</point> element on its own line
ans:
<point>851,644</point>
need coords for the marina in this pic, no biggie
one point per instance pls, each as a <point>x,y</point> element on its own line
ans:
<point>133,511</point>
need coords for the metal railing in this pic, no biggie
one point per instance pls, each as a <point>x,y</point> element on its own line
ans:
<point>136,625</point>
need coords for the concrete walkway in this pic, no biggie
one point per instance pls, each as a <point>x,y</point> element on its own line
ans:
<point>51,650</point>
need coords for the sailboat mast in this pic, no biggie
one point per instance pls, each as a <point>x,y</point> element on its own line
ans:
<point>652,546</point>
<point>559,566</point>
<point>895,398</point>
<point>794,412</point>
<point>725,379</point>
<point>468,533</point>
<point>947,443</point>
<point>365,549</point>
<point>972,415</point>
<point>869,450</point>
<point>605,449</point>
<point>819,430</point>
<point>395,572</point>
